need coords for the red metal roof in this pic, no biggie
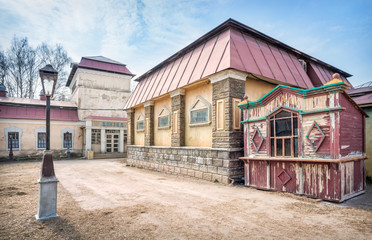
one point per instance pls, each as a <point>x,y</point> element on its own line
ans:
<point>361,96</point>
<point>99,63</point>
<point>231,45</point>
<point>24,108</point>
<point>28,101</point>
<point>106,118</point>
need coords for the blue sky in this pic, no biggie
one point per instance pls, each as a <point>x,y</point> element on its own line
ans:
<point>143,33</point>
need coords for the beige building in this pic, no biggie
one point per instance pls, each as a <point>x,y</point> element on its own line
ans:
<point>183,116</point>
<point>100,87</point>
<point>92,122</point>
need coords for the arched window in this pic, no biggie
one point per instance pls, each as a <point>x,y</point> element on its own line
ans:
<point>284,134</point>
<point>140,122</point>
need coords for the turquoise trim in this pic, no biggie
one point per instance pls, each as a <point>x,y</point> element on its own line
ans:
<point>303,92</point>
<point>294,109</point>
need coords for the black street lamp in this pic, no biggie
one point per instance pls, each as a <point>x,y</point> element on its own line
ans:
<point>47,204</point>
<point>49,78</point>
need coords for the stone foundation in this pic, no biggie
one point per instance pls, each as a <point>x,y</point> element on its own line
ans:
<point>212,164</point>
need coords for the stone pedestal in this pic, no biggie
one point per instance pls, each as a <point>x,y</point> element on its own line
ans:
<point>47,204</point>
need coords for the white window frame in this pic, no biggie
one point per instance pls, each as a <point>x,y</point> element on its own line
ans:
<point>193,108</point>
<point>161,114</point>
<point>13,129</point>
<point>69,130</point>
<point>140,118</point>
<point>37,131</point>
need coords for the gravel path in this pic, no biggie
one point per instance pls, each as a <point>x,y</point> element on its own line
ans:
<point>105,199</point>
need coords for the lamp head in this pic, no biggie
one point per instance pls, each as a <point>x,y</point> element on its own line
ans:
<point>49,78</point>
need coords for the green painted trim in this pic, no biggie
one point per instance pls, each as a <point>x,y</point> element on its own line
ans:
<point>304,92</point>
<point>294,109</point>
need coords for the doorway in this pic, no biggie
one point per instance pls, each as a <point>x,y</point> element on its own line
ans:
<point>112,141</point>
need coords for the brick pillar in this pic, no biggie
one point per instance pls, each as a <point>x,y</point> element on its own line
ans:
<point>178,118</point>
<point>227,85</point>
<point>149,123</point>
<point>130,130</point>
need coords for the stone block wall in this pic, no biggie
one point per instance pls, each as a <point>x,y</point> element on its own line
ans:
<point>178,106</point>
<point>227,89</point>
<point>204,163</point>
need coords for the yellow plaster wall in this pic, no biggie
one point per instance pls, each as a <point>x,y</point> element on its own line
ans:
<point>28,138</point>
<point>256,89</point>
<point>139,136</point>
<point>200,136</point>
<point>162,137</point>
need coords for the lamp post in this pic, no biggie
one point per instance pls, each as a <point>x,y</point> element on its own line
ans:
<point>47,204</point>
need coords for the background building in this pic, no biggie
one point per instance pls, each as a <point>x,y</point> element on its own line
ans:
<point>94,118</point>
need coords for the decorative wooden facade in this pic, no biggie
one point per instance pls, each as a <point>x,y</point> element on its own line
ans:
<point>308,142</point>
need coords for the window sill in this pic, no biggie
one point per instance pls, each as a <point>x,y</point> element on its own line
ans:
<point>140,130</point>
<point>199,124</point>
<point>164,128</point>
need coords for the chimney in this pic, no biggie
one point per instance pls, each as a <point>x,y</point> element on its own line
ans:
<point>2,90</point>
<point>42,96</point>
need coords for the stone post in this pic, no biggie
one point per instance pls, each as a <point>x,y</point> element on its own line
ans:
<point>178,118</point>
<point>227,86</point>
<point>130,133</point>
<point>149,123</point>
<point>47,201</point>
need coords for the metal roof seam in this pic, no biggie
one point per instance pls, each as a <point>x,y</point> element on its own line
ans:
<point>276,60</point>
<point>175,74</point>
<point>263,54</point>
<point>206,64</point>
<point>150,82</point>
<point>223,54</point>
<point>165,80</point>
<point>156,82</point>
<point>196,63</point>
<point>303,80</point>
<point>240,58</point>
<point>289,70</point>
<point>250,51</point>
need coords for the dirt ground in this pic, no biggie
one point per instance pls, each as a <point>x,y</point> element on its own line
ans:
<point>105,199</point>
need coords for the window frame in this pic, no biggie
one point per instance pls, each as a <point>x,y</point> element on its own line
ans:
<point>38,141</point>
<point>10,130</point>
<point>67,130</point>
<point>140,118</point>
<point>161,115</point>
<point>270,118</point>
<point>207,106</point>
<point>64,140</point>
<point>96,136</point>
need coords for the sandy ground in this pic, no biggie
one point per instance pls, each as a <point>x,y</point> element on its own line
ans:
<point>105,199</point>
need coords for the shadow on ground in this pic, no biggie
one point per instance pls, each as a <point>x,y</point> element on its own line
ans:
<point>363,201</point>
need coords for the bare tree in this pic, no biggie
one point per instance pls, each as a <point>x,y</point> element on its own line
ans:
<point>4,66</point>
<point>59,59</point>
<point>19,69</point>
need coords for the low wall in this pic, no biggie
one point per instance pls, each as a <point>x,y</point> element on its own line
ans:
<point>331,180</point>
<point>212,164</point>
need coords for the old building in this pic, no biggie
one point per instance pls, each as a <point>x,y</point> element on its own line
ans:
<point>22,126</point>
<point>93,121</point>
<point>100,87</point>
<point>362,95</point>
<point>183,116</point>
<point>308,142</point>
